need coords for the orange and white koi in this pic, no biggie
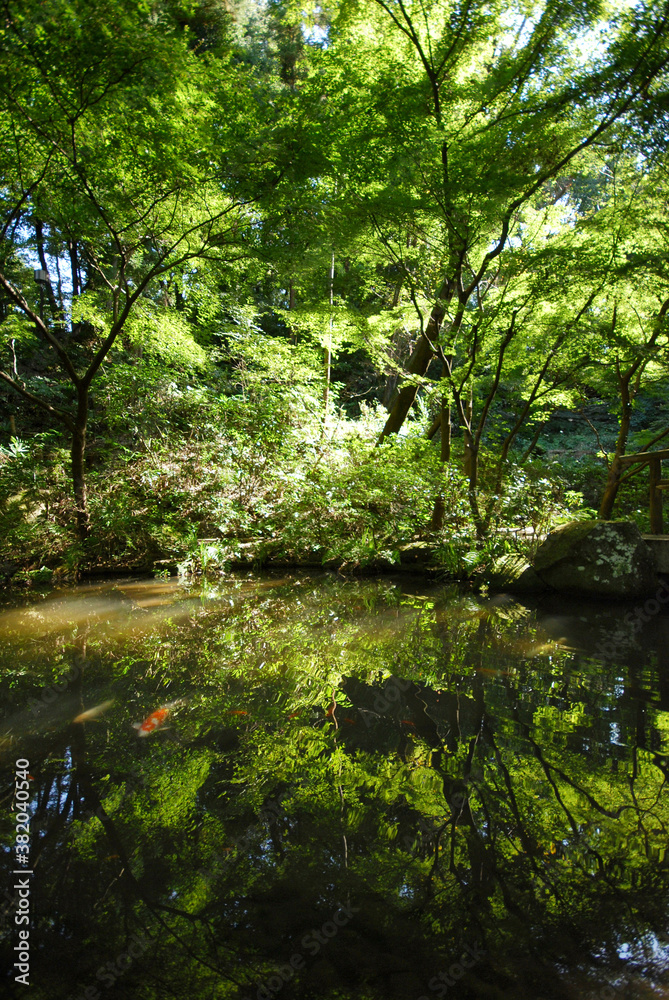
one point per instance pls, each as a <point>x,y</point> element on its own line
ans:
<point>156,719</point>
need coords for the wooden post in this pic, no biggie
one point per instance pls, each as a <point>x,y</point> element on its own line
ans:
<point>655,467</point>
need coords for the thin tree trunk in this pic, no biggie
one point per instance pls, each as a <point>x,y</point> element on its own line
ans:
<point>630,383</point>
<point>328,349</point>
<point>291,307</point>
<point>471,463</point>
<point>471,449</point>
<point>445,432</point>
<point>471,458</point>
<point>439,510</point>
<point>74,267</point>
<point>78,475</point>
<point>615,469</point>
<point>534,442</point>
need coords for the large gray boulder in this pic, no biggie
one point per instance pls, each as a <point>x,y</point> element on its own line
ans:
<point>597,559</point>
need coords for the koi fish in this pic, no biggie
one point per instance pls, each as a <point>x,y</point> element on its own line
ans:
<point>156,719</point>
<point>492,672</point>
<point>93,713</point>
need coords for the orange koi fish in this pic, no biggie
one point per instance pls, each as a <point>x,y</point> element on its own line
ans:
<point>156,719</point>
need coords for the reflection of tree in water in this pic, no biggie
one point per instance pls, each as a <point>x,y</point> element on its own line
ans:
<point>458,794</point>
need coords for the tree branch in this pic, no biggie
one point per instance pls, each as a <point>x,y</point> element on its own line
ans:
<point>53,410</point>
<point>63,356</point>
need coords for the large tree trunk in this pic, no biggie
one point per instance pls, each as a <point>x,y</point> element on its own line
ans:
<point>390,392</point>
<point>419,363</point>
<point>611,489</point>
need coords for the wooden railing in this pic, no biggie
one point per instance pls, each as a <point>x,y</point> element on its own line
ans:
<point>654,461</point>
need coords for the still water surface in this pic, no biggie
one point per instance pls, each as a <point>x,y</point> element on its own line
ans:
<point>355,789</point>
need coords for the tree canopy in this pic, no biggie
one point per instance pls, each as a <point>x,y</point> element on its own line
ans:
<point>453,209</point>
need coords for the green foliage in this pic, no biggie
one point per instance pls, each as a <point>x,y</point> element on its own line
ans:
<point>33,508</point>
<point>238,204</point>
<point>358,504</point>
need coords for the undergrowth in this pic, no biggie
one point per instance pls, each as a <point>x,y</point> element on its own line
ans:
<point>207,477</point>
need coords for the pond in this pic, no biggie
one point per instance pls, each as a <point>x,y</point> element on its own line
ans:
<point>312,787</point>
